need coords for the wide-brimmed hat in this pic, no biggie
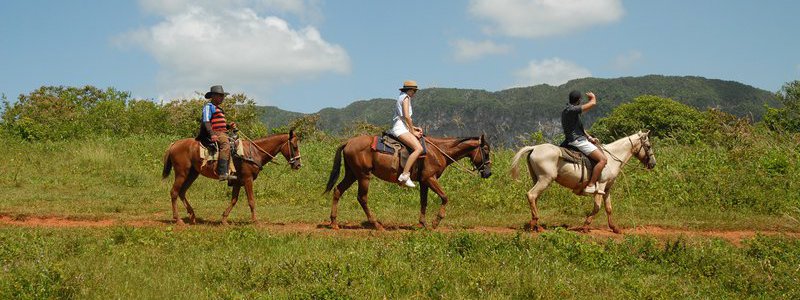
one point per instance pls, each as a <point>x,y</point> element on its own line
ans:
<point>409,85</point>
<point>217,89</point>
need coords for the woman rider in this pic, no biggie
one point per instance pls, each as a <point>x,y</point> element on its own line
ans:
<point>405,130</point>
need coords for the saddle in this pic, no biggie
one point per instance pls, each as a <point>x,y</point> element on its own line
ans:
<point>389,144</point>
<point>571,154</point>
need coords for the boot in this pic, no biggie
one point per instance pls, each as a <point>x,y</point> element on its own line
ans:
<point>222,170</point>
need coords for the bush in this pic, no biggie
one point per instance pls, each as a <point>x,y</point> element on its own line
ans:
<point>664,117</point>
<point>786,118</point>
<point>63,113</point>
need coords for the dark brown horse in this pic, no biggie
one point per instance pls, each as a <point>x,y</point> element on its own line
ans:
<point>184,156</point>
<point>360,162</point>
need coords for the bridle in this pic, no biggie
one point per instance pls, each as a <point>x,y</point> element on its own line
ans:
<point>485,160</point>
<point>292,160</point>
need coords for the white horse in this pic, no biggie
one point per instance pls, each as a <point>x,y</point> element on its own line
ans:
<point>545,165</point>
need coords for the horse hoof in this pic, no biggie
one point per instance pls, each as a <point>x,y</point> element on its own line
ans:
<point>179,222</point>
<point>585,229</point>
<point>538,228</point>
<point>616,230</point>
<point>421,225</point>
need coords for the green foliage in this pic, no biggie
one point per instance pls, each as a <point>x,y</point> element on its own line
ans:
<point>786,118</point>
<point>66,113</point>
<point>665,118</point>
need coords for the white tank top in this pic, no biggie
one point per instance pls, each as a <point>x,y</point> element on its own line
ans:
<point>398,110</point>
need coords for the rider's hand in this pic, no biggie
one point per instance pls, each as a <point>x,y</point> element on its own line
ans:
<point>591,95</point>
<point>234,126</point>
<point>214,138</point>
<point>418,134</point>
<point>594,140</point>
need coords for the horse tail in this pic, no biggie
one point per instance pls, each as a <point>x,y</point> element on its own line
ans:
<point>515,163</point>
<point>337,164</point>
<point>167,163</point>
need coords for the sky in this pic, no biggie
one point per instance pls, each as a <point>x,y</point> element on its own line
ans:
<point>305,55</point>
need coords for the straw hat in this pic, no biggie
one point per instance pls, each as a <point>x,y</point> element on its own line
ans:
<point>409,85</point>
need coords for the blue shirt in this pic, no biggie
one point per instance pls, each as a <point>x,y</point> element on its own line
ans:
<point>208,111</point>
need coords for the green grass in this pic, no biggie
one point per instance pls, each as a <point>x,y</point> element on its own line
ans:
<point>754,187</point>
<point>245,263</point>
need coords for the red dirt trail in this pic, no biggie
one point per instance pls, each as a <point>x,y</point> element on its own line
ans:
<point>733,236</point>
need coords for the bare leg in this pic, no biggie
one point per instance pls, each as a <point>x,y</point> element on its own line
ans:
<point>337,194</point>
<point>434,185</point>
<point>234,199</point>
<point>410,140</point>
<point>533,195</point>
<point>607,200</point>
<point>597,200</point>
<point>600,158</point>
<point>363,189</point>
<point>423,204</point>
<point>251,199</point>
<point>182,194</point>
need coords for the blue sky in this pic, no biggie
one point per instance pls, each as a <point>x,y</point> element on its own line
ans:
<point>304,55</point>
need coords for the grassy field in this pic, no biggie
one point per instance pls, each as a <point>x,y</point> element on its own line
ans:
<point>245,263</point>
<point>750,187</point>
<point>756,187</point>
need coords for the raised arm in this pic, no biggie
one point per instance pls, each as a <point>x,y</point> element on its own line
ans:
<point>590,104</point>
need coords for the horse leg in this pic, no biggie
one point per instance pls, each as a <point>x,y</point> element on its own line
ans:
<point>363,189</point>
<point>423,204</point>
<point>607,200</point>
<point>434,185</point>
<point>597,200</point>
<point>533,196</point>
<point>251,199</point>
<point>190,178</point>
<point>345,184</point>
<point>180,177</point>
<point>234,199</point>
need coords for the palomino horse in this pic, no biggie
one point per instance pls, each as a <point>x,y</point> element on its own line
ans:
<point>360,161</point>
<point>545,165</point>
<point>184,156</point>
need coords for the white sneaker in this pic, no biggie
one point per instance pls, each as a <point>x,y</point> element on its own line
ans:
<point>405,178</point>
<point>592,189</point>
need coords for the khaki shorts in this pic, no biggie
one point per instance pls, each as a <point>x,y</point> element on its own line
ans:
<point>584,145</point>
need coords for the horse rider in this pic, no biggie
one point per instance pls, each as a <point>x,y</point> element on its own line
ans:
<point>576,136</point>
<point>214,123</point>
<point>404,129</point>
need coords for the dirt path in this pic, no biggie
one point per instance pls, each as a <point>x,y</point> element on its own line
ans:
<point>734,236</point>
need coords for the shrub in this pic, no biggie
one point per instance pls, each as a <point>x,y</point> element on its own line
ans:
<point>664,117</point>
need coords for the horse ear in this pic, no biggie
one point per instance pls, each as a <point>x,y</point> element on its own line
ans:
<point>291,134</point>
<point>483,138</point>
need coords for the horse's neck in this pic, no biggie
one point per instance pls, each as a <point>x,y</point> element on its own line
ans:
<point>455,150</point>
<point>271,145</point>
<point>621,150</point>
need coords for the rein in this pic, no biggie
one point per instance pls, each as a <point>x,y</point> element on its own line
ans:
<point>471,172</point>
<point>272,157</point>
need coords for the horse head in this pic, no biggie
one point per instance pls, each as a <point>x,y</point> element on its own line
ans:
<point>645,152</point>
<point>481,160</point>
<point>291,151</point>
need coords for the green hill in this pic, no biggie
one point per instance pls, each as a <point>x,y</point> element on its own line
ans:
<point>508,114</point>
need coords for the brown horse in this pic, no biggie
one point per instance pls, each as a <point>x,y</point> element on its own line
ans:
<point>360,162</point>
<point>184,156</point>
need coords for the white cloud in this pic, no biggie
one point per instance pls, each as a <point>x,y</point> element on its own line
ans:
<point>467,50</point>
<point>626,61</point>
<point>198,46</point>
<point>541,18</point>
<point>553,71</point>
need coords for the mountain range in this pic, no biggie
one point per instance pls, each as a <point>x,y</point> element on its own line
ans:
<point>508,115</point>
